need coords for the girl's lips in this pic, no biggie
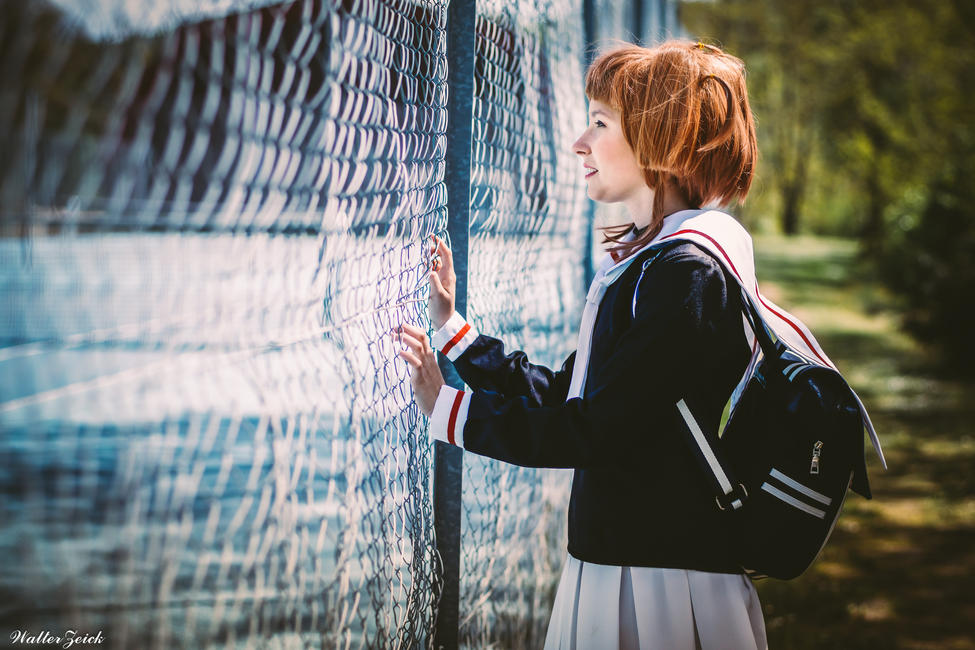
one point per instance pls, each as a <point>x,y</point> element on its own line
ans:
<point>591,172</point>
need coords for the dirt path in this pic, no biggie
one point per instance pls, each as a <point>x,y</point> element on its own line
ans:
<point>898,571</point>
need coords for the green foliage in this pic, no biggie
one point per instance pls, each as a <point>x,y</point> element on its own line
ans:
<point>931,261</point>
<point>866,127</point>
<point>897,572</point>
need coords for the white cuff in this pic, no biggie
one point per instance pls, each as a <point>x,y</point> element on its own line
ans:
<point>454,337</point>
<point>449,415</point>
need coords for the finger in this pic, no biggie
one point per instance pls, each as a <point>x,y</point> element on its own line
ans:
<point>415,331</point>
<point>437,284</point>
<point>444,251</point>
<point>410,358</point>
<point>411,341</point>
<point>417,338</point>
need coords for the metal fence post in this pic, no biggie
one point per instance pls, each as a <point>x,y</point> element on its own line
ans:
<point>448,460</point>
<point>639,17</point>
<point>589,27</point>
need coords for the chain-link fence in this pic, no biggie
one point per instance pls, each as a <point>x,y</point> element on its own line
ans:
<point>210,219</point>
<point>525,281</point>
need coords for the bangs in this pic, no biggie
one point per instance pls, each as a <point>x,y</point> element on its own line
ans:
<point>614,73</point>
<point>684,112</point>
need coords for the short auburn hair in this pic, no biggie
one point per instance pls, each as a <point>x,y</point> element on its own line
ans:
<point>684,112</point>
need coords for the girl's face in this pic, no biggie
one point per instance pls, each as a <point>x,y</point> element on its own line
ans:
<point>612,172</point>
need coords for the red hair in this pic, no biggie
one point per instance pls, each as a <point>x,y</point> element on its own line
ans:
<point>684,111</point>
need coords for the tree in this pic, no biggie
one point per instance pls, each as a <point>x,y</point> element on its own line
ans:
<point>877,96</point>
<point>780,44</point>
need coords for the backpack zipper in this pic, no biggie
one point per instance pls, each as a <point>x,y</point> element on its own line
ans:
<point>816,453</point>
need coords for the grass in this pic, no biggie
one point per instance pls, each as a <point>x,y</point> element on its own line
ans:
<point>899,570</point>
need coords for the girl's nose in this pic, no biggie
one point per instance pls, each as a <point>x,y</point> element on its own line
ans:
<point>580,146</point>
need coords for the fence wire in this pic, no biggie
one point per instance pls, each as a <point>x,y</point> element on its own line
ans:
<point>207,438</point>
<point>528,234</point>
<point>207,227</point>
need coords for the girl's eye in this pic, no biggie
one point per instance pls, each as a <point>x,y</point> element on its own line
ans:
<point>599,124</point>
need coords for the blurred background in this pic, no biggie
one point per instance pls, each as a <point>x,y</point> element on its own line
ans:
<point>866,204</point>
<point>867,131</point>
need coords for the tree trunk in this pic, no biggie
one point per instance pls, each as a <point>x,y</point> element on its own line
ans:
<point>793,188</point>
<point>873,225</point>
<point>790,208</point>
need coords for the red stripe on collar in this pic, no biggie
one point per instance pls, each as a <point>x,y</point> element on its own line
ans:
<point>735,271</point>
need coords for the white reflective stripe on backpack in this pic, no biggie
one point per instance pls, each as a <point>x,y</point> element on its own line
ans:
<point>707,452</point>
<point>721,235</point>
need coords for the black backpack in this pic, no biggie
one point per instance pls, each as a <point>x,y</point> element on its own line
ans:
<point>781,468</point>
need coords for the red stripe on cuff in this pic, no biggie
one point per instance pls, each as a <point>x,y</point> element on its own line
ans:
<point>457,337</point>
<point>452,421</point>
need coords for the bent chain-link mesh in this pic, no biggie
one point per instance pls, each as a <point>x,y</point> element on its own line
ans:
<point>206,232</point>
<point>526,287</point>
<point>206,236</point>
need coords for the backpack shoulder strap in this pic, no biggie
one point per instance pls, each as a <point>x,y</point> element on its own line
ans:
<point>730,244</point>
<point>729,493</point>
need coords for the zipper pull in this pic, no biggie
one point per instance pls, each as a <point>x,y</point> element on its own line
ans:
<point>817,451</point>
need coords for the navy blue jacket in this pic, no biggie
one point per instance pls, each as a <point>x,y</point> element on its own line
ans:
<point>639,498</point>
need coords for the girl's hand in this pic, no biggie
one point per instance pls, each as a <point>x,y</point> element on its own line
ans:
<point>443,283</point>
<point>426,376</point>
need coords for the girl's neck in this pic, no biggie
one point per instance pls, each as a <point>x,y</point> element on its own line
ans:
<point>641,212</point>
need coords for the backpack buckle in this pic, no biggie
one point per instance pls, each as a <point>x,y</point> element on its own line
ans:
<point>733,500</point>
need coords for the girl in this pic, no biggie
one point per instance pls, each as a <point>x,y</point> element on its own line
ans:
<point>648,563</point>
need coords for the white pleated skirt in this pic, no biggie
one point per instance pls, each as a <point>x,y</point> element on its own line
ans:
<point>603,607</point>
